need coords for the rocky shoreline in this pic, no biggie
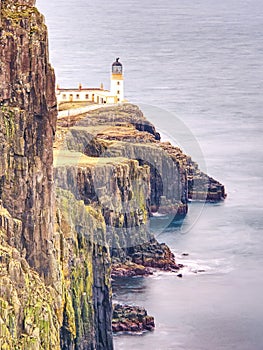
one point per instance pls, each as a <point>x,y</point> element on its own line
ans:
<point>142,262</point>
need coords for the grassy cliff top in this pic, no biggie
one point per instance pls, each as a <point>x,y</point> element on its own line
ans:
<point>72,158</point>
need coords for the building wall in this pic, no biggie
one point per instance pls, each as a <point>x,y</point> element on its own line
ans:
<point>111,99</point>
<point>75,95</point>
<point>96,96</point>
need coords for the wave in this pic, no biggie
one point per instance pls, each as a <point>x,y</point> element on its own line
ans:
<point>203,266</point>
<point>193,267</point>
<point>157,215</point>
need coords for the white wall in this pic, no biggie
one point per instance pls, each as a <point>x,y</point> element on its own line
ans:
<point>96,96</point>
<point>117,89</point>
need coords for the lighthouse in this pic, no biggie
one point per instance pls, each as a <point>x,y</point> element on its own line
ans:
<point>117,88</point>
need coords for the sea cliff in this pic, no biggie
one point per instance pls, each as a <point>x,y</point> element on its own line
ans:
<point>55,288</point>
<point>112,158</point>
<point>69,224</point>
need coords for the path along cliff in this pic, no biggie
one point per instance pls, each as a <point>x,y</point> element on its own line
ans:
<point>65,230</point>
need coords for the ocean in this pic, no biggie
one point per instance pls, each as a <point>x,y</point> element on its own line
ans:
<point>196,69</point>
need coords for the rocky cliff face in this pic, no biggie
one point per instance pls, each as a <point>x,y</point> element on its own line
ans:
<point>27,122</point>
<point>55,290</point>
<point>29,317</point>
<point>85,261</point>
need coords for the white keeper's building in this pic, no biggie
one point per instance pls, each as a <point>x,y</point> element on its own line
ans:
<point>96,95</point>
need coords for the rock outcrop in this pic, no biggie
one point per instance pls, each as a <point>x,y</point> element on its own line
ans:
<point>123,131</point>
<point>129,174</point>
<point>129,319</point>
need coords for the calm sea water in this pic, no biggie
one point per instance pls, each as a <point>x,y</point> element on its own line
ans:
<point>201,61</point>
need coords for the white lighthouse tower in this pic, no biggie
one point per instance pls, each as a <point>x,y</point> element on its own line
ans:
<point>117,88</point>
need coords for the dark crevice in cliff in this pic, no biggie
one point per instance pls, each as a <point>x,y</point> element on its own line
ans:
<point>156,185</point>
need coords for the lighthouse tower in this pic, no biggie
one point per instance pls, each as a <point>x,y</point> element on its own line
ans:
<point>117,88</point>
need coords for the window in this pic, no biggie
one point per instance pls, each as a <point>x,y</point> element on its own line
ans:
<point>118,92</point>
<point>87,96</point>
<point>77,96</point>
<point>118,83</point>
<point>64,96</point>
<point>118,100</point>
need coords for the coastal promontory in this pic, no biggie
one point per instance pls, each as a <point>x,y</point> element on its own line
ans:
<point>77,196</point>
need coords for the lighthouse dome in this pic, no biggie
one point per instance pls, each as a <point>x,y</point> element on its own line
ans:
<point>117,67</point>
